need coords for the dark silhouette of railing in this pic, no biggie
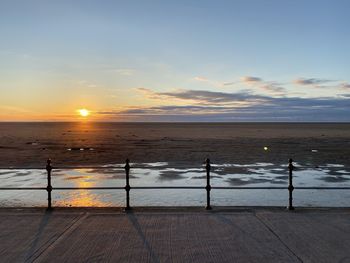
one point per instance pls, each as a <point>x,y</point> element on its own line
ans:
<point>49,188</point>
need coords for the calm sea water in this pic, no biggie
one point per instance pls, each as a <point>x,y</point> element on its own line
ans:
<point>164,174</point>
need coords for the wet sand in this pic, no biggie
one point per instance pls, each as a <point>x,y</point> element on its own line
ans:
<point>313,144</point>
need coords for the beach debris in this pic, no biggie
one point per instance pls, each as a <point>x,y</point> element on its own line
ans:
<point>314,151</point>
<point>81,149</point>
<point>32,143</point>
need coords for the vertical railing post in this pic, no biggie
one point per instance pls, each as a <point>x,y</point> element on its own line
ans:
<point>290,185</point>
<point>49,186</point>
<point>208,187</point>
<point>127,186</point>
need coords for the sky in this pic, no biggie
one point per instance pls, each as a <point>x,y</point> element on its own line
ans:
<point>211,61</point>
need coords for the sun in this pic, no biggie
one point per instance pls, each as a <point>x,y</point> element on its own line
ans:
<point>84,112</point>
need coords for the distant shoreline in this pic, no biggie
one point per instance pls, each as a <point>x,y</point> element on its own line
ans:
<point>183,122</point>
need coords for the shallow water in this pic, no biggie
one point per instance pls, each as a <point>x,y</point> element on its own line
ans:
<point>167,174</point>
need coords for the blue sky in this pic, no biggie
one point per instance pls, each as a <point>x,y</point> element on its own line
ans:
<point>167,60</point>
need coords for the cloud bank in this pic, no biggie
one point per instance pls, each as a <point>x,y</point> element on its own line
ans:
<point>211,106</point>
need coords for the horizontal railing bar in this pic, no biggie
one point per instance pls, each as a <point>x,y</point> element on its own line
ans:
<point>122,168</point>
<point>88,188</point>
<point>250,187</point>
<point>22,188</point>
<point>60,168</point>
<point>282,188</point>
<point>167,187</point>
<point>145,167</point>
<point>94,167</point>
<point>22,168</point>
<point>181,187</point>
<point>322,188</point>
<point>86,167</point>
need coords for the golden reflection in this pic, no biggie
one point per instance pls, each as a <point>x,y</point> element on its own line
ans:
<point>82,198</point>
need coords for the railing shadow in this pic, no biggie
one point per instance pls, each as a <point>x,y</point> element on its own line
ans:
<point>131,216</point>
<point>33,248</point>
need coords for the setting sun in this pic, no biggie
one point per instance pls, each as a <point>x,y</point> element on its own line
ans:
<point>84,112</point>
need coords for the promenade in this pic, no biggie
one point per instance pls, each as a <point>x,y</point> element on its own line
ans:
<point>175,235</point>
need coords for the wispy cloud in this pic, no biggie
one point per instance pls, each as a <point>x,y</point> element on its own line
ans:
<point>15,109</point>
<point>124,71</point>
<point>345,86</point>
<point>250,79</point>
<point>311,81</point>
<point>229,83</point>
<point>204,96</point>
<point>271,87</point>
<point>201,79</point>
<point>85,83</point>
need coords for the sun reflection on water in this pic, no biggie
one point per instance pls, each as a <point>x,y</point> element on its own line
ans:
<point>82,198</point>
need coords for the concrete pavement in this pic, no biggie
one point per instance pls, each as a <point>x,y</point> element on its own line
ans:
<point>175,235</point>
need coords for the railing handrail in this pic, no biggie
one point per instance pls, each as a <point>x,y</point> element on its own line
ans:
<point>206,165</point>
<point>133,166</point>
<point>184,187</point>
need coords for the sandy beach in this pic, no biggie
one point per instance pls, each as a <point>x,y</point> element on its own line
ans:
<point>87,143</point>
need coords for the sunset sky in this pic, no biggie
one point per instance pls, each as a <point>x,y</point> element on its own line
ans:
<point>263,60</point>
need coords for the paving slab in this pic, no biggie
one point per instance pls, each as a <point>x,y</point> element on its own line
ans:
<point>184,235</point>
<point>314,237</point>
<point>23,237</point>
<point>170,238</point>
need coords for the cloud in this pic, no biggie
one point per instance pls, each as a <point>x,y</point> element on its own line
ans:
<point>229,83</point>
<point>344,85</point>
<point>201,79</point>
<point>272,87</point>
<point>148,93</point>
<point>144,90</point>
<point>171,109</point>
<point>207,81</point>
<point>249,79</point>
<point>204,97</point>
<point>14,109</point>
<point>311,81</point>
<point>125,71</point>
<point>87,84</point>
<point>221,106</point>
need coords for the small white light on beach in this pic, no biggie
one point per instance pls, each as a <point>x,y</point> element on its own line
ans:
<point>314,151</point>
<point>265,148</point>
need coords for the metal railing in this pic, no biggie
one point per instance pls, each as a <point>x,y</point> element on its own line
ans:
<point>49,188</point>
